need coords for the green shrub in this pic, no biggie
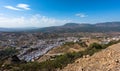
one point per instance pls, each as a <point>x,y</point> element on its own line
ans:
<point>96,46</point>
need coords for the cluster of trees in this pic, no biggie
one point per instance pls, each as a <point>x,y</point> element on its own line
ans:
<point>7,52</point>
<point>83,44</point>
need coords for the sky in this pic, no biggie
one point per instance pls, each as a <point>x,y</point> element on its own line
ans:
<point>45,13</point>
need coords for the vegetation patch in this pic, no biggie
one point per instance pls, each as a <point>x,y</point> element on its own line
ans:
<point>59,61</point>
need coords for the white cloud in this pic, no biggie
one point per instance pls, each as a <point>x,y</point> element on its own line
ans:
<point>23,6</point>
<point>33,21</point>
<point>81,15</point>
<point>11,7</point>
<point>18,7</point>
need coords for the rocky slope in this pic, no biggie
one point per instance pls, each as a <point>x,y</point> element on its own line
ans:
<point>105,60</point>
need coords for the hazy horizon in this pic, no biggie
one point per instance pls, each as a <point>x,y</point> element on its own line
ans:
<point>46,13</point>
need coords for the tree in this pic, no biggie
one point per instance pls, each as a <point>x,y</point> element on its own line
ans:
<point>96,46</point>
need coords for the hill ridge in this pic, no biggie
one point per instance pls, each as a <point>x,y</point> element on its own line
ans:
<point>105,60</point>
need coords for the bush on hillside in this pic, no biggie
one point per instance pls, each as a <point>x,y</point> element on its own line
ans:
<point>96,46</point>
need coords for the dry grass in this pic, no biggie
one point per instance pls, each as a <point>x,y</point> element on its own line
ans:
<point>106,60</point>
<point>61,50</point>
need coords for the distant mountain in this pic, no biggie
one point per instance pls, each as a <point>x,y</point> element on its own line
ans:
<point>77,24</point>
<point>84,27</point>
<point>71,24</point>
<point>16,29</point>
<point>109,24</point>
<point>73,27</point>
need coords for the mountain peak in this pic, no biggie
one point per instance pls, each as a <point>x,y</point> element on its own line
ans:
<point>71,24</point>
<point>109,24</point>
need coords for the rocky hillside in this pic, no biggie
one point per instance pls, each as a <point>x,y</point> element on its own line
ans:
<point>105,60</point>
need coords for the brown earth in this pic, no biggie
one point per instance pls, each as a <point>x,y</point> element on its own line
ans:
<point>105,60</point>
<point>61,50</point>
<point>90,41</point>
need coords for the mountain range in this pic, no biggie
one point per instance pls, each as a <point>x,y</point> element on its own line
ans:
<point>84,27</point>
<point>72,27</point>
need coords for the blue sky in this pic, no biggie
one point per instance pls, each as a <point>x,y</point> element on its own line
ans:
<point>44,13</point>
